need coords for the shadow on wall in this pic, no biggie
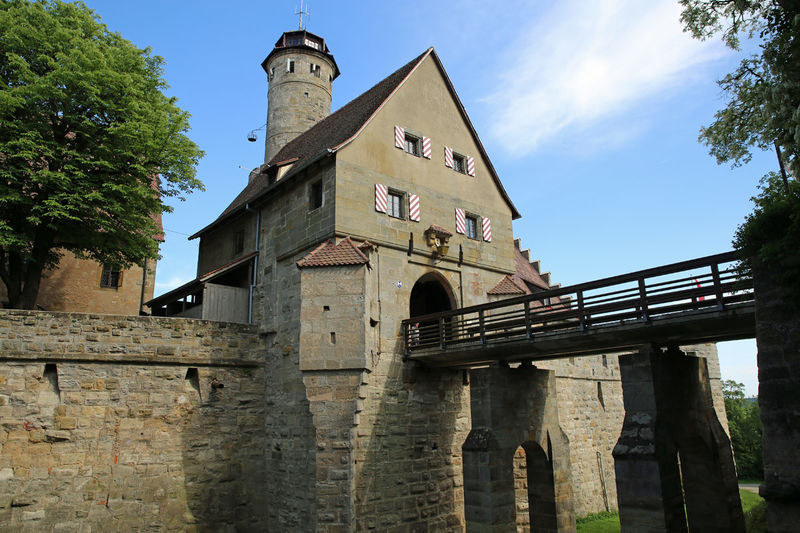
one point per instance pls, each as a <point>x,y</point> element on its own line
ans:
<point>223,448</point>
<point>408,457</point>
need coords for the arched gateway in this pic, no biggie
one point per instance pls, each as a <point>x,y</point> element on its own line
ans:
<point>430,294</point>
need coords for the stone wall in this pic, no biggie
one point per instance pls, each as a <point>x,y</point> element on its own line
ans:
<point>112,423</point>
<point>298,99</point>
<point>591,412</point>
<point>778,330</point>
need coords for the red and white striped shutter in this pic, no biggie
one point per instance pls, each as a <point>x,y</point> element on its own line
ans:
<point>399,137</point>
<point>470,165</point>
<point>381,197</point>
<point>448,157</point>
<point>487,229</point>
<point>461,223</point>
<point>413,207</point>
<point>426,147</point>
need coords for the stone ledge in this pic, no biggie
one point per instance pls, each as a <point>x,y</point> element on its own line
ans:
<point>77,358</point>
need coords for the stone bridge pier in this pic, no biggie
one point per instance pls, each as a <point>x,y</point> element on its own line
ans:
<point>673,450</point>
<point>513,408</point>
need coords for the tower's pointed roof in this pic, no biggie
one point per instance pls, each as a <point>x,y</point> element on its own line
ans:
<point>302,40</point>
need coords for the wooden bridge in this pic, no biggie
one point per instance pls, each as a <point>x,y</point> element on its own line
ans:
<point>701,300</point>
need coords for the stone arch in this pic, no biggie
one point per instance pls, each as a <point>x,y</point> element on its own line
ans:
<point>541,488</point>
<point>534,489</point>
<point>431,294</point>
<point>509,406</point>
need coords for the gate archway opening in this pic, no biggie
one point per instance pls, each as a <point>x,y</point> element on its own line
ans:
<point>430,294</point>
<point>534,490</point>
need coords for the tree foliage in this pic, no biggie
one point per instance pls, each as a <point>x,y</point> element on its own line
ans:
<point>764,91</point>
<point>744,422</point>
<point>90,147</point>
<point>763,111</point>
<point>770,236</point>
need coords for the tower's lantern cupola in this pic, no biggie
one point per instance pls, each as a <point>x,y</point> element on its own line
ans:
<point>300,70</point>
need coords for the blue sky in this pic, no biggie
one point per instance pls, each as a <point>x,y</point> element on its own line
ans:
<point>590,113</point>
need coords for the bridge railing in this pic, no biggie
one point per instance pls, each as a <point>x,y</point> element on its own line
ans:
<point>706,284</point>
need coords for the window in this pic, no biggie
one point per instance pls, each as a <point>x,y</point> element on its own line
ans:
<point>411,144</point>
<point>471,226</point>
<point>459,165</point>
<point>314,69</point>
<point>271,73</point>
<point>315,195</point>
<point>238,242</point>
<point>290,65</point>
<point>395,204</point>
<point>312,44</point>
<point>110,278</point>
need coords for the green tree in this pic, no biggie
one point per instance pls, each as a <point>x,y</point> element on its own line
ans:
<point>744,422</point>
<point>90,147</point>
<point>763,111</point>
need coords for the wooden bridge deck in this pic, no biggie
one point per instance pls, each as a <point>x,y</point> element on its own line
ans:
<point>701,300</point>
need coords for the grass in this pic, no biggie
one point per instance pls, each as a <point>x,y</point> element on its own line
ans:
<point>749,481</point>
<point>605,522</point>
<point>608,522</point>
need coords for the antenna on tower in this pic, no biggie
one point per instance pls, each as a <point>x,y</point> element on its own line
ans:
<point>302,12</point>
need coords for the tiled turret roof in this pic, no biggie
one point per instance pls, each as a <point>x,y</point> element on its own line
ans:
<point>331,254</point>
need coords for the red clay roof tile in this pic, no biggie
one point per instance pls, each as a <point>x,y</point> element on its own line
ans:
<point>331,254</point>
<point>507,285</point>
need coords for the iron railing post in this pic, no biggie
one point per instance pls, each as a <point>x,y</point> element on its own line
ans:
<point>481,328</point>
<point>580,310</point>
<point>528,332</point>
<point>717,285</point>
<point>643,300</point>
<point>441,333</point>
<point>406,348</point>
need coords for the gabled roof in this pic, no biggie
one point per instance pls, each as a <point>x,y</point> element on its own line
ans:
<point>331,254</point>
<point>507,285</point>
<point>525,271</point>
<point>338,130</point>
<point>526,279</point>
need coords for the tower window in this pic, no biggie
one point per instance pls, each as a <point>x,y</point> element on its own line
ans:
<point>315,195</point>
<point>459,165</point>
<point>411,145</point>
<point>271,73</point>
<point>290,65</point>
<point>314,69</point>
<point>471,226</point>
<point>238,242</point>
<point>111,277</point>
<point>395,204</point>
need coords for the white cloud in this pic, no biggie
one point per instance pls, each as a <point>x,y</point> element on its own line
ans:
<point>582,62</point>
<point>172,283</point>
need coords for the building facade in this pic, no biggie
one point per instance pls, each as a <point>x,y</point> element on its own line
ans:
<point>83,286</point>
<point>386,209</point>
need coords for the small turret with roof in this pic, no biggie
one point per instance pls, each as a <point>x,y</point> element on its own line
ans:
<point>300,70</point>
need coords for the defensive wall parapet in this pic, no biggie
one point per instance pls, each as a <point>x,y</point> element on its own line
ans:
<point>126,423</point>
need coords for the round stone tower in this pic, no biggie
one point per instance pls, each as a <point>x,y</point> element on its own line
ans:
<point>300,70</point>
